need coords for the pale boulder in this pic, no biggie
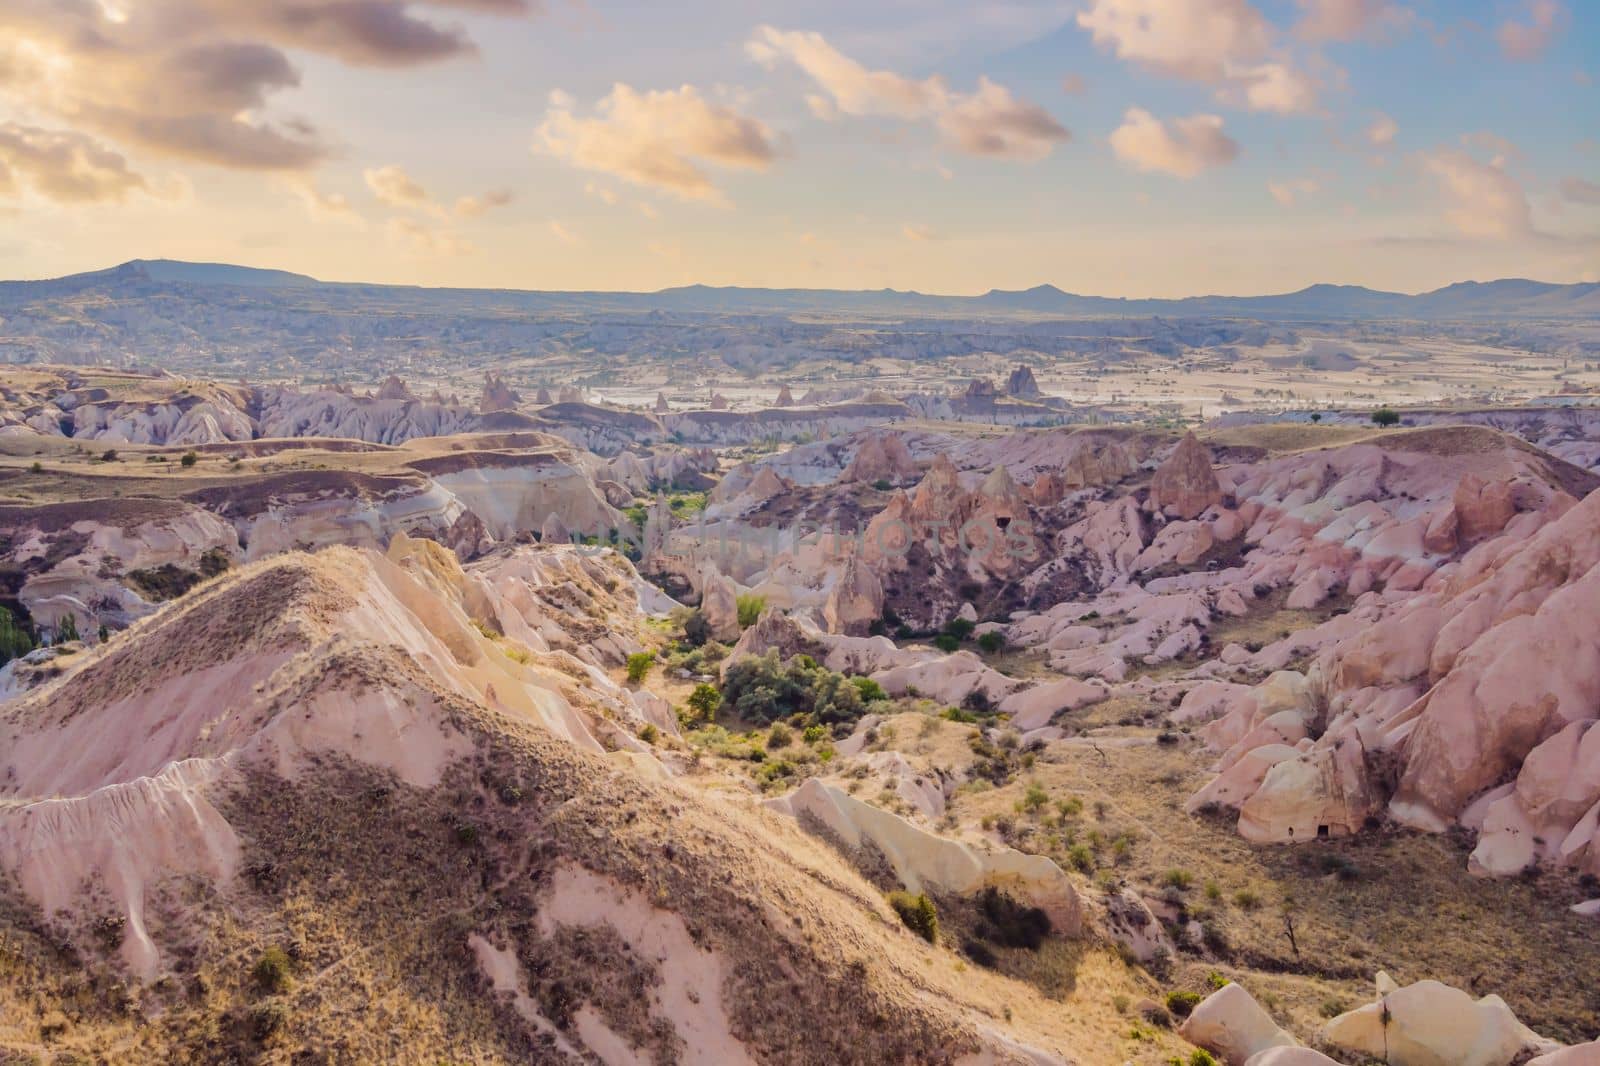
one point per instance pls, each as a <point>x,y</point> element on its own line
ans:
<point>1231,1023</point>
<point>1433,1024</point>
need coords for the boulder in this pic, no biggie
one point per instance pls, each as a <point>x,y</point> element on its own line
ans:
<point>1232,1024</point>
<point>1432,1024</point>
<point>1031,708</point>
<point>1576,1055</point>
<point>1129,922</point>
<point>1482,507</point>
<point>1185,484</point>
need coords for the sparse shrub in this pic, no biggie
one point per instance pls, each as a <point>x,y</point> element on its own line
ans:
<point>1034,799</point>
<point>1181,1004</point>
<point>750,608</point>
<point>918,913</point>
<point>956,714</point>
<point>271,972</point>
<point>779,736</point>
<point>1332,1008</point>
<point>639,664</point>
<point>1179,879</point>
<point>991,642</point>
<point>1070,807</point>
<point>37,467</point>
<point>1247,900</point>
<point>1081,856</point>
<point>1213,891</point>
<point>1215,981</point>
<point>649,734</point>
<point>214,561</point>
<point>109,455</point>
<point>189,459</point>
<point>814,733</point>
<point>1201,1057</point>
<point>1120,1002</point>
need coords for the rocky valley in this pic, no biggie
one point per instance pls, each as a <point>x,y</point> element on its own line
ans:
<point>967,726</point>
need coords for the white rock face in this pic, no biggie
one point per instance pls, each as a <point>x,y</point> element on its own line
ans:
<point>923,860</point>
<point>1432,1024</point>
<point>1231,1023</point>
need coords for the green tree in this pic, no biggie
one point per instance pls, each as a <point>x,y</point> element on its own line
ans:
<point>918,913</point>
<point>14,639</point>
<point>639,664</point>
<point>189,459</point>
<point>1385,416</point>
<point>67,629</point>
<point>704,701</point>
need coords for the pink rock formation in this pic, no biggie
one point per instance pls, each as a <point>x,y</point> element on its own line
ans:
<point>1022,385</point>
<point>1185,484</point>
<point>785,398</point>
<point>497,395</point>
<point>394,389</point>
<point>856,600</point>
<point>882,457</point>
<point>662,407</point>
<point>543,398</point>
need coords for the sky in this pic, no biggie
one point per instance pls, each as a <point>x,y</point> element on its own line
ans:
<point>1109,147</point>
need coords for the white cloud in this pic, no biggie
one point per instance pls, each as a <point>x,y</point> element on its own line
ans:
<point>1383,130</point>
<point>393,186</point>
<point>658,138</point>
<point>1183,147</point>
<point>473,206</point>
<point>991,121</point>
<point>1287,192</point>
<point>195,78</point>
<point>1226,44</point>
<point>425,241</point>
<point>563,234</point>
<point>1347,20</point>
<point>1526,40</point>
<point>62,165</point>
<point>321,205</point>
<point>1580,191</point>
<point>851,87</point>
<point>1481,199</point>
<point>918,231</point>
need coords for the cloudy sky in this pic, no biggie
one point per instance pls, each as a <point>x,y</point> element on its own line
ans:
<point>1115,147</point>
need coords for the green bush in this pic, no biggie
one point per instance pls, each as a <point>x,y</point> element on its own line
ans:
<point>870,690</point>
<point>883,484</point>
<point>704,701</point>
<point>750,608</point>
<point>918,913</point>
<point>991,642</point>
<point>764,689</point>
<point>1182,1004</point>
<point>779,736</point>
<point>649,733</point>
<point>189,459</point>
<point>1385,416</point>
<point>1179,879</point>
<point>946,642</point>
<point>696,630</point>
<point>960,628</point>
<point>639,664</point>
<point>271,971</point>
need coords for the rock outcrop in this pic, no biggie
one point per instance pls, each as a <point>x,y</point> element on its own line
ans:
<point>497,395</point>
<point>1231,1023</point>
<point>1432,1024</point>
<point>1021,384</point>
<point>1185,485</point>
<point>855,602</point>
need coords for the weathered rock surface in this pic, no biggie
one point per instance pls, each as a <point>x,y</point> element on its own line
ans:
<point>1185,485</point>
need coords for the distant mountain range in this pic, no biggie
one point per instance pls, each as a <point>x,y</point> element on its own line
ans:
<point>1511,297</point>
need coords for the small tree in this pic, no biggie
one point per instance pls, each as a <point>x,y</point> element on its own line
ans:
<point>991,642</point>
<point>704,701</point>
<point>1385,417</point>
<point>750,608</point>
<point>639,664</point>
<point>14,639</point>
<point>918,913</point>
<point>1316,416</point>
<point>189,459</point>
<point>109,455</point>
<point>67,629</point>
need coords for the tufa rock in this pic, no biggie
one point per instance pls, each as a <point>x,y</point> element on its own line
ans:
<point>1185,484</point>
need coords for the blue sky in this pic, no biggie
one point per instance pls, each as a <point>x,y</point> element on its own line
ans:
<point>1118,147</point>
